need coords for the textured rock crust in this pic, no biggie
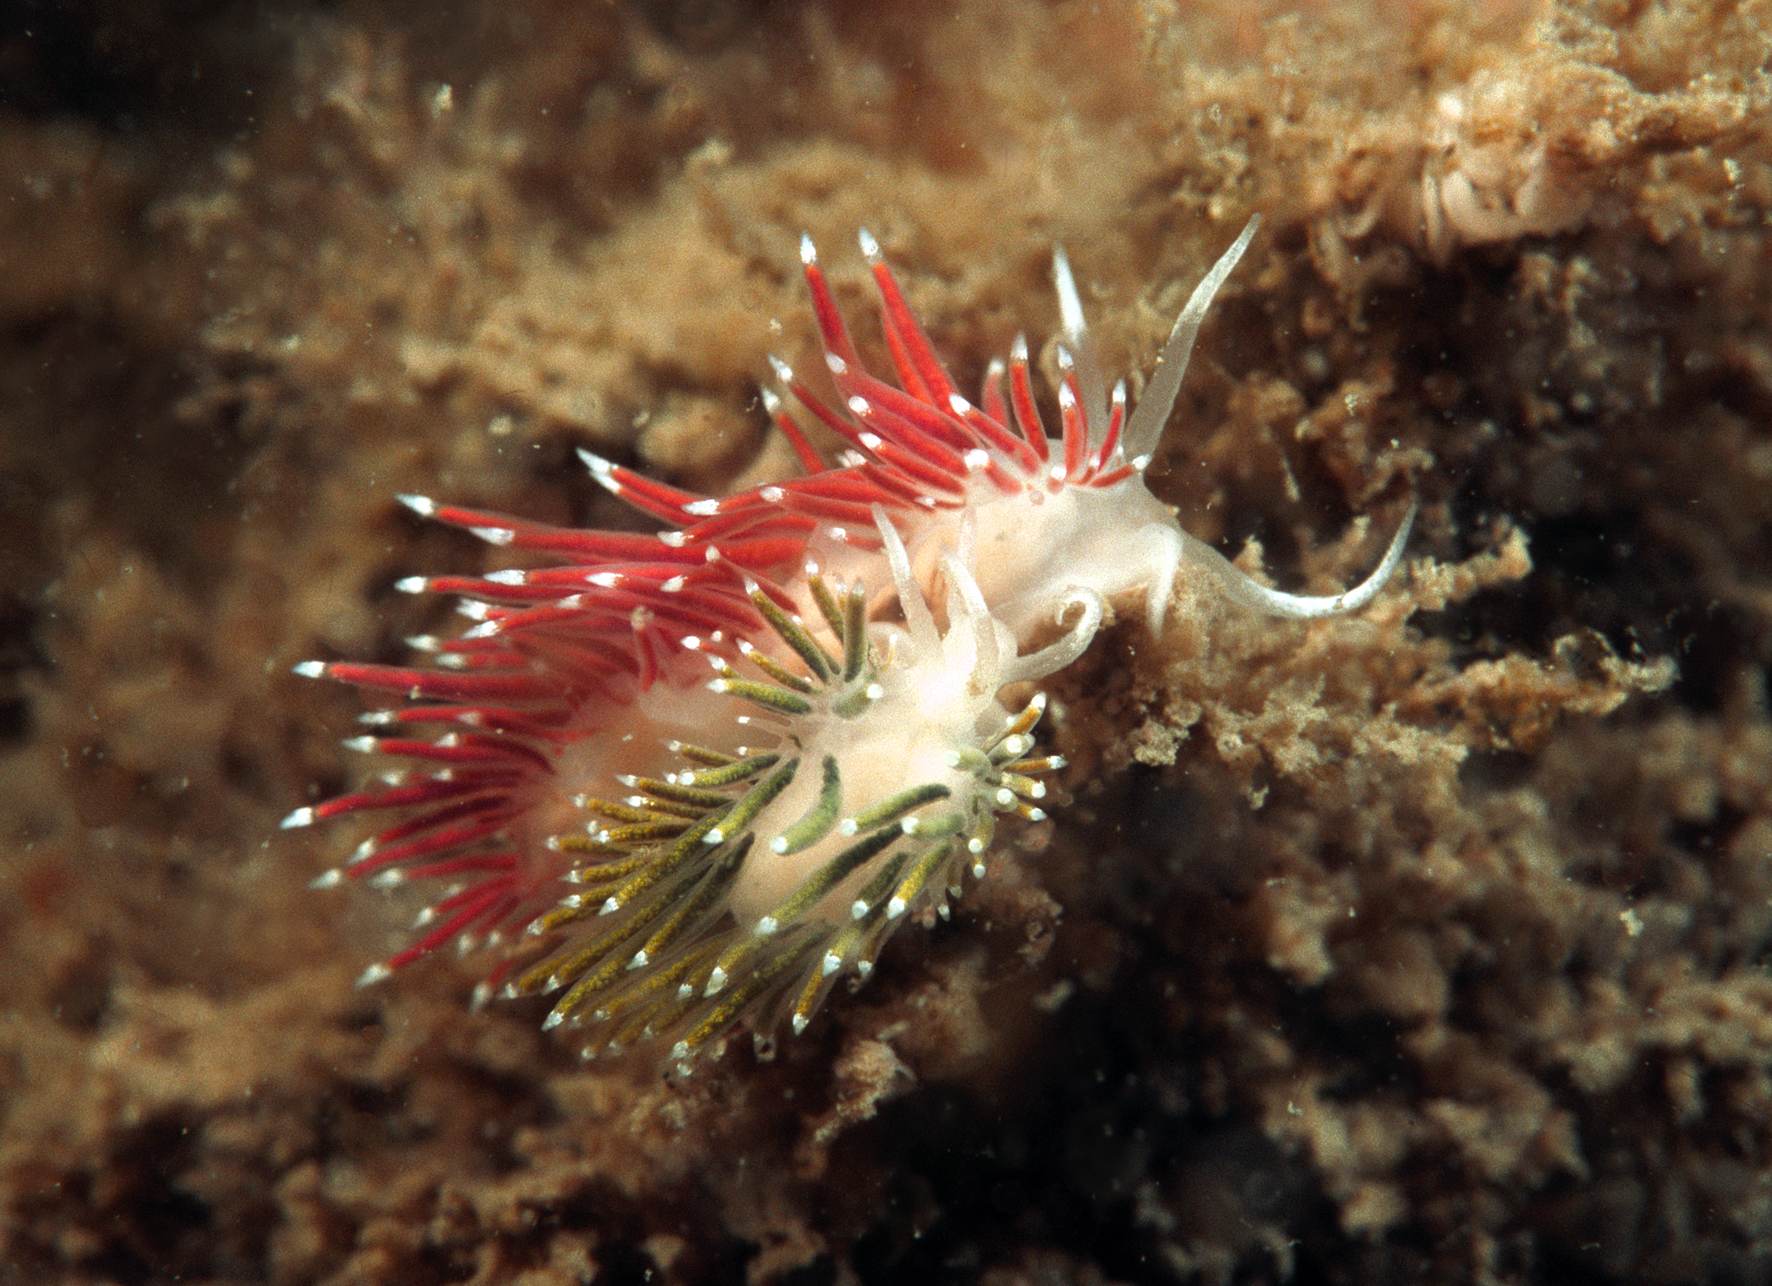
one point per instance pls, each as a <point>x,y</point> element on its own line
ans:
<point>1423,946</point>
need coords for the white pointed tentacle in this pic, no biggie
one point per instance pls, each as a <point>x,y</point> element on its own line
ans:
<point>964,592</point>
<point>1152,412</point>
<point>1076,337</point>
<point>918,619</point>
<point>1252,593</point>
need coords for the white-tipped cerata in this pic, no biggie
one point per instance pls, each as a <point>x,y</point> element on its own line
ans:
<point>702,776</point>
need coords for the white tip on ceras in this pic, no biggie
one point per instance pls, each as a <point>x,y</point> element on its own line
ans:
<point>602,472</point>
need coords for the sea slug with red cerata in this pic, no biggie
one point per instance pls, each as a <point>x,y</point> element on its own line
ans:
<point>691,780</point>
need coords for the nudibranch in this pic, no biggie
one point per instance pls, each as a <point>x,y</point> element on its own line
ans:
<point>692,779</point>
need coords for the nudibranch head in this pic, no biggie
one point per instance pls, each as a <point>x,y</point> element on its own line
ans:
<point>1058,519</point>
<point>676,854</point>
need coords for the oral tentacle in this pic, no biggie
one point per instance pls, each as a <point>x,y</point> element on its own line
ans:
<point>1252,593</point>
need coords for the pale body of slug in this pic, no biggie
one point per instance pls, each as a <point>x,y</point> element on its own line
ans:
<point>846,761</point>
<point>755,876</point>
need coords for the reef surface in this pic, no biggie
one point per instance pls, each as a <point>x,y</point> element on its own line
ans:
<point>1427,945</point>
